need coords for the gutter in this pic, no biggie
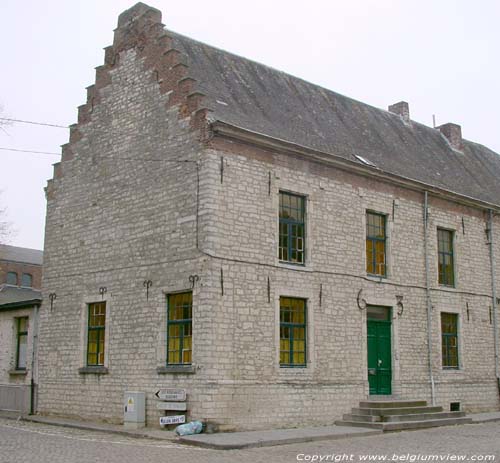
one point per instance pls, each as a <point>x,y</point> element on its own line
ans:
<point>494,295</point>
<point>20,304</point>
<point>279,145</point>
<point>428,296</point>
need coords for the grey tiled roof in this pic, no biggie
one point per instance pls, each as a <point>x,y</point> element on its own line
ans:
<point>255,97</point>
<point>12,295</point>
<point>24,255</point>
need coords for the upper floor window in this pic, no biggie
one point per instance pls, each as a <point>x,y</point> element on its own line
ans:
<point>22,343</point>
<point>27,280</point>
<point>179,328</point>
<point>292,332</point>
<point>446,272</point>
<point>292,228</point>
<point>12,278</point>
<point>449,340</point>
<point>96,331</point>
<point>376,244</point>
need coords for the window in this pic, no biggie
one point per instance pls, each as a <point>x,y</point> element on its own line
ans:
<point>96,330</point>
<point>375,244</point>
<point>292,332</point>
<point>22,342</point>
<point>179,328</point>
<point>446,273</point>
<point>12,278</point>
<point>292,228</point>
<point>449,339</point>
<point>27,280</point>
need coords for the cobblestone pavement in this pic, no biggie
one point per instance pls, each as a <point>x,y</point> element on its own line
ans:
<point>33,442</point>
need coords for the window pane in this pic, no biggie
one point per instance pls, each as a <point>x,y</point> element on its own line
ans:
<point>292,331</point>
<point>26,280</point>
<point>21,353</point>
<point>179,328</point>
<point>96,333</point>
<point>23,324</point>
<point>291,228</point>
<point>375,244</point>
<point>12,278</point>
<point>378,313</point>
<point>449,335</point>
<point>445,258</point>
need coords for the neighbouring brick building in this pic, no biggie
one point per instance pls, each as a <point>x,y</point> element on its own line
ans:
<point>278,250</point>
<point>20,299</point>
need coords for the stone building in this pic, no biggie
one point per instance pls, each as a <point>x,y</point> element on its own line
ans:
<point>276,249</point>
<point>20,299</point>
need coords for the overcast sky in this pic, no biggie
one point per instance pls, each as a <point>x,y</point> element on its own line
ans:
<point>443,57</point>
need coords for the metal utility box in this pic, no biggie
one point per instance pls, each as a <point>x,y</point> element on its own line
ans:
<point>134,410</point>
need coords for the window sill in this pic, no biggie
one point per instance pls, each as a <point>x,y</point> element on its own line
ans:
<point>292,266</point>
<point>18,372</point>
<point>98,370</point>
<point>176,369</point>
<point>377,278</point>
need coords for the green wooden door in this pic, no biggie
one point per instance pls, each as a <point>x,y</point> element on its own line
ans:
<point>379,350</point>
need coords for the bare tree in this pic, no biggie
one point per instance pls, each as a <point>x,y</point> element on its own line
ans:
<point>6,230</point>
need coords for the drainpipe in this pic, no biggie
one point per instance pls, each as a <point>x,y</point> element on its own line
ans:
<point>428,296</point>
<point>34,356</point>
<point>494,295</point>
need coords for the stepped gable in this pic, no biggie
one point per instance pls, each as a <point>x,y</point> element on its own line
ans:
<point>260,99</point>
<point>140,28</point>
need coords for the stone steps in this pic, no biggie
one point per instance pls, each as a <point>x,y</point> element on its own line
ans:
<point>396,411</point>
<point>407,425</point>
<point>398,418</point>
<point>399,415</point>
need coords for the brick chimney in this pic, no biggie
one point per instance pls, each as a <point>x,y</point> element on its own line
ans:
<point>453,133</point>
<point>402,109</point>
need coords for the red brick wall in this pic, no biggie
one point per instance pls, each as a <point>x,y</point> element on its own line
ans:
<point>34,270</point>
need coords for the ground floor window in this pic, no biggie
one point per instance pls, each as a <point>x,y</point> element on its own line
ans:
<point>96,331</point>
<point>449,340</point>
<point>179,328</point>
<point>292,332</point>
<point>22,342</point>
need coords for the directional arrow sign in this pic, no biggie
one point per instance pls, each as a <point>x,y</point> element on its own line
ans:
<point>171,394</point>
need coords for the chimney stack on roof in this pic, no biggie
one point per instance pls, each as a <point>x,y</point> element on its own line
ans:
<point>453,133</point>
<point>402,108</point>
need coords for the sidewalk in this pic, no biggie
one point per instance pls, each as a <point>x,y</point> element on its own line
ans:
<point>230,440</point>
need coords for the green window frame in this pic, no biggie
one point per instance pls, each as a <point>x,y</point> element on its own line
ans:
<point>449,340</point>
<point>293,332</point>
<point>22,342</point>
<point>376,244</point>
<point>179,328</point>
<point>96,330</point>
<point>446,264</point>
<point>292,229</point>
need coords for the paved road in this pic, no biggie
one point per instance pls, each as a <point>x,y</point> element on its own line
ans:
<point>37,443</point>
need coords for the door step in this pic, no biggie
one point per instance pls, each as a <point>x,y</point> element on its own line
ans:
<point>399,415</point>
<point>396,411</point>
<point>407,425</point>
<point>398,418</point>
